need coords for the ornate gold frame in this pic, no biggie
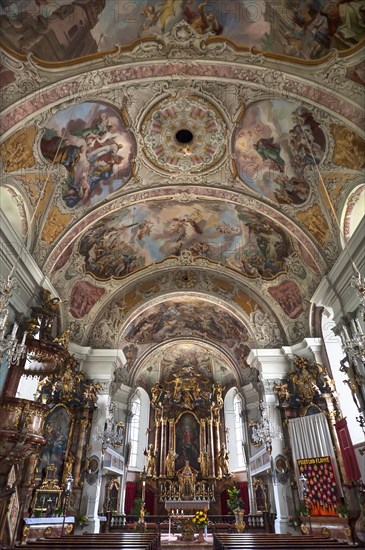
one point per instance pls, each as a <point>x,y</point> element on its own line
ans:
<point>70,433</point>
<point>112,483</point>
<point>265,489</point>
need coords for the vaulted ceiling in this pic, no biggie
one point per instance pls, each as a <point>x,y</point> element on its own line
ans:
<point>182,172</point>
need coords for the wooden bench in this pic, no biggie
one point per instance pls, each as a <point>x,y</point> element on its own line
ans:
<point>110,541</point>
<point>267,541</point>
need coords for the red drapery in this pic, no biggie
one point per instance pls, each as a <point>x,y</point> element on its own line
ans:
<point>150,501</point>
<point>224,498</point>
<point>244,495</point>
<point>347,450</point>
<point>130,495</point>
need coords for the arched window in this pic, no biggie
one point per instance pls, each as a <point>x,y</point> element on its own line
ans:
<point>238,427</point>
<point>134,429</point>
<point>233,406</point>
<point>138,425</point>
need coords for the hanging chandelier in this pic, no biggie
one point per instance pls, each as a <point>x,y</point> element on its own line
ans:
<point>10,349</point>
<point>113,433</point>
<point>265,431</point>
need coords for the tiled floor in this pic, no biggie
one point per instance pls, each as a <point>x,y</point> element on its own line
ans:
<point>174,542</point>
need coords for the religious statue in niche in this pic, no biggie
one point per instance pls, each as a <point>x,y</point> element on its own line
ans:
<point>187,479</point>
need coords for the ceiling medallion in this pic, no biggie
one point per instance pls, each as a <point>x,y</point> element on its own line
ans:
<point>186,279</point>
<point>186,134</point>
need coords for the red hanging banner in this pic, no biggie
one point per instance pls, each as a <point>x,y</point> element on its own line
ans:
<point>320,488</point>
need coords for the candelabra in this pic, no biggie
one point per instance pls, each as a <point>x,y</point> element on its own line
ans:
<point>10,349</point>
<point>66,498</point>
<point>265,431</point>
<point>113,433</point>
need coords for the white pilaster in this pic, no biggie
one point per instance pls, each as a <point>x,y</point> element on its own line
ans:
<point>274,364</point>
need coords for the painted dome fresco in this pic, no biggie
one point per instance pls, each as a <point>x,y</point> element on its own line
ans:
<point>67,29</point>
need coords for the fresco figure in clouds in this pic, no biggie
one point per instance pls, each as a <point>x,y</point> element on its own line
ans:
<point>92,143</point>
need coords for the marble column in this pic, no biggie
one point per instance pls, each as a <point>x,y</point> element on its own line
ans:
<point>273,366</point>
<point>217,439</point>
<point>93,492</point>
<point>163,446</point>
<point>203,439</point>
<point>211,447</point>
<point>83,423</point>
<point>29,477</point>
<point>172,442</point>
<point>158,440</point>
<point>281,490</point>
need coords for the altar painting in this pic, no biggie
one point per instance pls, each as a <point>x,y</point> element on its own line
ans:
<point>322,486</point>
<point>187,442</point>
<point>57,429</point>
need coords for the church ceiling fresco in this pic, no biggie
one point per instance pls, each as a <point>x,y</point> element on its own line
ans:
<point>275,142</point>
<point>186,317</point>
<point>116,227</point>
<point>138,236</point>
<point>91,142</point>
<point>189,356</point>
<point>66,29</point>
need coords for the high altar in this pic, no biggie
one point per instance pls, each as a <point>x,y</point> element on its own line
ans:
<point>189,432</point>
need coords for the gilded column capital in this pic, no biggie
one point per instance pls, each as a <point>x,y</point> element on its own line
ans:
<point>84,422</point>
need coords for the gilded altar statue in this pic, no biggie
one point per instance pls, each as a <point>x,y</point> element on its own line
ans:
<point>177,382</point>
<point>222,461</point>
<point>151,455</point>
<point>67,468</point>
<point>156,391</point>
<point>170,463</point>
<point>282,392</point>
<point>203,461</point>
<point>305,378</point>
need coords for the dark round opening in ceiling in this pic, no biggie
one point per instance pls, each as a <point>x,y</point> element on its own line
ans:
<point>184,136</point>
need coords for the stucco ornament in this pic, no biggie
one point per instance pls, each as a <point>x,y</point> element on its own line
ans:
<point>161,127</point>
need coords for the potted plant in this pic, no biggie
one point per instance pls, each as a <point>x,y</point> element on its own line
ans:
<point>235,502</point>
<point>82,520</point>
<point>342,511</point>
<point>303,510</point>
<point>136,508</point>
<point>294,520</point>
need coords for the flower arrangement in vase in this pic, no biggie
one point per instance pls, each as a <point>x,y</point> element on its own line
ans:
<point>200,520</point>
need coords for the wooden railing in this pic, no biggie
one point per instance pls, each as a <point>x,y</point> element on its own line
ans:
<point>254,522</point>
